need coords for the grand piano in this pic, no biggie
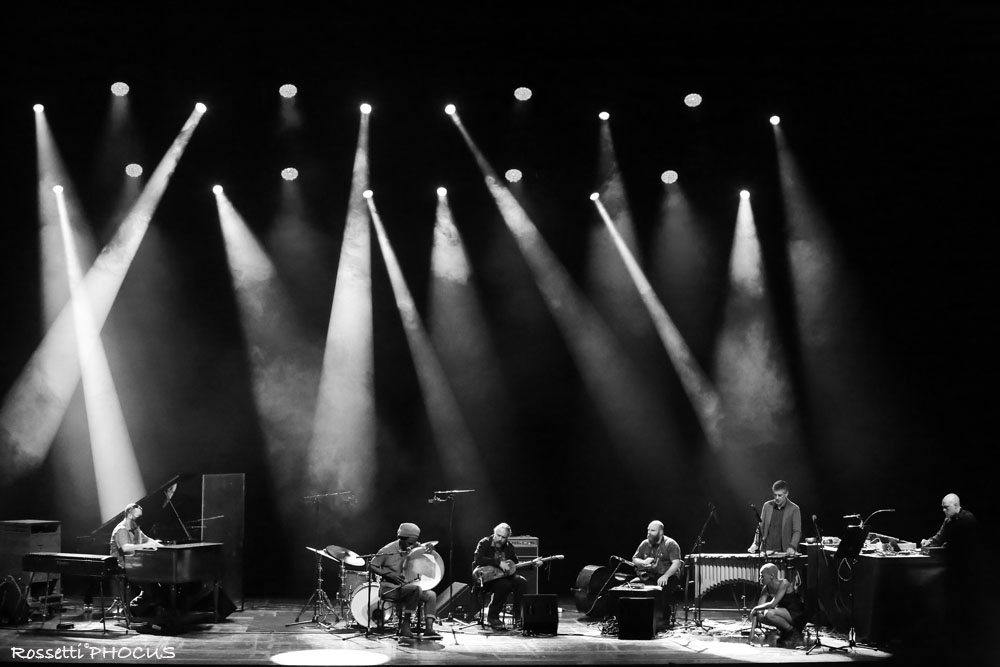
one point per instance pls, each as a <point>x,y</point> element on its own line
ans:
<point>199,518</point>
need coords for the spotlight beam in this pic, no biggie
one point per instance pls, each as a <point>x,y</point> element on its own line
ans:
<point>116,470</point>
<point>36,403</point>
<point>619,391</point>
<point>342,450</point>
<point>456,449</point>
<point>700,392</point>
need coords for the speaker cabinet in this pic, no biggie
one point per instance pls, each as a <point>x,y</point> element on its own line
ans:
<point>540,614</point>
<point>635,618</point>
<point>457,599</point>
<point>19,537</point>
<point>526,548</point>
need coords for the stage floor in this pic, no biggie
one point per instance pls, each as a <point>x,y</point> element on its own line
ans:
<point>259,633</point>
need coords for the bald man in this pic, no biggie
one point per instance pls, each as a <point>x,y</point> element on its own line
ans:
<point>657,559</point>
<point>959,531</point>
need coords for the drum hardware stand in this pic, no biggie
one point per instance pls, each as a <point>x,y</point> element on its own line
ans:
<point>449,497</point>
<point>318,598</point>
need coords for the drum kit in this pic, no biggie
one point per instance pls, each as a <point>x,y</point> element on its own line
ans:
<point>356,601</point>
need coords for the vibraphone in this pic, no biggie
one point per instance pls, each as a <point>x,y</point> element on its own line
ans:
<point>712,571</point>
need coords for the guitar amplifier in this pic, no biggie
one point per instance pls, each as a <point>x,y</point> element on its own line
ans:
<point>526,548</point>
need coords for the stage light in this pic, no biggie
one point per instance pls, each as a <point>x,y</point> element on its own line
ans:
<point>523,93</point>
<point>120,88</point>
<point>366,108</point>
<point>200,108</point>
<point>692,99</point>
<point>38,108</point>
<point>744,194</point>
<point>133,170</point>
<point>604,115</point>
<point>450,109</point>
<point>57,189</point>
<point>513,175</point>
<point>775,120</point>
<point>442,192</point>
<point>669,176</point>
<point>288,91</point>
<point>594,196</point>
<point>217,189</point>
<point>367,194</point>
<point>289,173</point>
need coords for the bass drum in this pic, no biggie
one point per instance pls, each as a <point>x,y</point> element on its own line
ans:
<point>589,585</point>
<point>365,605</point>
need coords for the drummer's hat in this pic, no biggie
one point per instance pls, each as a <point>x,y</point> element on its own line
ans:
<point>408,530</point>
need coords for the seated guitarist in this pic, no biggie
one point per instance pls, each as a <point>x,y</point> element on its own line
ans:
<point>658,560</point>
<point>494,568</point>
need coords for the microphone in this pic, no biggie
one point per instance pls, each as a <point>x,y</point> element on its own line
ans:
<point>622,560</point>
<point>852,516</point>
<point>711,506</point>
<point>436,500</point>
<point>819,535</point>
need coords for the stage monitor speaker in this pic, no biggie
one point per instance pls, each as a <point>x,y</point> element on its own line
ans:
<point>526,548</point>
<point>635,618</point>
<point>457,600</point>
<point>540,614</point>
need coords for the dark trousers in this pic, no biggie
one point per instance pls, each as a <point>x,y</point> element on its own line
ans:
<point>501,588</point>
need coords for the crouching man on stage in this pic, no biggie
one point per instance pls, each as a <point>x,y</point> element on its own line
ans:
<point>126,539</point>
<point>779,606</point>
<point>389,563</point>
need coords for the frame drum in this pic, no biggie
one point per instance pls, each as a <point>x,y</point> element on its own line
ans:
<point>425,570</point>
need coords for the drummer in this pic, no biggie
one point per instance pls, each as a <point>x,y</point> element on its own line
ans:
<point>389,563</point>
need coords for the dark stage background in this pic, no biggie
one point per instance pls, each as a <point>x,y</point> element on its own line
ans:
<point>890,112</point>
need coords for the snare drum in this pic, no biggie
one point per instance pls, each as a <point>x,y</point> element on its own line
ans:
<point>365,604</point>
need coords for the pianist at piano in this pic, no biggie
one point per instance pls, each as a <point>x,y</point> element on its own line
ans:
<point>126,539</point>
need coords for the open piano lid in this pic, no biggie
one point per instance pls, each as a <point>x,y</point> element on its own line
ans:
<point>171,514</point>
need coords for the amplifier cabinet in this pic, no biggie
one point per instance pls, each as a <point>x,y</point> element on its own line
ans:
<point>526,548</point>
<point>19,537</point>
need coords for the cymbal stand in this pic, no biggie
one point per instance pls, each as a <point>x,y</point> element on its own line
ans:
<point>317,599</point>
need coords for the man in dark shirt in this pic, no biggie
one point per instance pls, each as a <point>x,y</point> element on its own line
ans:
<point>959,531</point>
<point>494,568</point>
<point>966,578</point>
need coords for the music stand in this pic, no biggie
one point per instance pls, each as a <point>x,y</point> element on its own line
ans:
<point>848,549</point>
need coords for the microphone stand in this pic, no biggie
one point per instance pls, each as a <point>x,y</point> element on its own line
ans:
<point>698,542</point>
<point>450,499</point>
<point>760,529</point>
<point>610,578</point>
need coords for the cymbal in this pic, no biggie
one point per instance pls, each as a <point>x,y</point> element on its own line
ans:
<point>321,552</point>
<point>346,555</point>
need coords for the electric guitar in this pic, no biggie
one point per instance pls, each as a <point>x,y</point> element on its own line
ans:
<point>487,573</point>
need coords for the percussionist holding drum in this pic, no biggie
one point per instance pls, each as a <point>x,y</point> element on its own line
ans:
<point>389,563</point>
